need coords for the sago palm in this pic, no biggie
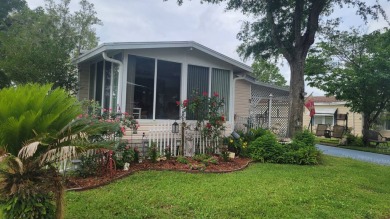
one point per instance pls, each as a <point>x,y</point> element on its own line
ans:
<point>33,172</point>
<point>32,110</point>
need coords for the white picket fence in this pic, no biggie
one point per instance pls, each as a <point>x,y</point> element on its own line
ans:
<point>161,135</point>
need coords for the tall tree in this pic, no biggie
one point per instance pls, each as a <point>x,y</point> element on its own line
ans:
<point>8,6</point>
<point>34,49</point>
<point>38,45</point>
<point>83,21</point>
<point>289,28</point>
<point>354,68</point>
<point>267,72</point>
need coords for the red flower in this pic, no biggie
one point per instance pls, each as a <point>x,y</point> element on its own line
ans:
<point>185,103</point>
<point>104,110</point>
<point>222,118</point>
<point>216,94</point>
<point>80,116</point>
<point>208,125</point>
<point>205,93</point>
<point>178,103</point>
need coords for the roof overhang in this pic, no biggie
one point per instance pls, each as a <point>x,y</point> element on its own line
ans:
<point>106,47</point>
<point>252,80</point>
<point>326,111</point>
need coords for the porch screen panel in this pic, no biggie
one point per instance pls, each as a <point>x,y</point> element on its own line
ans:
<point>115,80</point>
<point>168,89</point>
<point>220,83</point>
<point>92,69</point>
<point>99,82</point>
<point>197,81</point>
<point>107,84</point>
<point>140,87</point>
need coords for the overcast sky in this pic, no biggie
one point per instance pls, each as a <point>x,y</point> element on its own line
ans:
<point>207,24</point>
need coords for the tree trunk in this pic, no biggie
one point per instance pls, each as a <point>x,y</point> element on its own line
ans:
<point>297,89</point>
<point>366,128</point>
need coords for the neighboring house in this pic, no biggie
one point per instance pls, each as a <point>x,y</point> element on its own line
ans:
<point>147,78</point>
<point>385,127</point>
<point>327,111</point>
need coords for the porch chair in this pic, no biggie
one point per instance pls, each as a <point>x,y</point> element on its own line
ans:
<point>338,131</point>
<point>374,136</point>
<point>321,128</point>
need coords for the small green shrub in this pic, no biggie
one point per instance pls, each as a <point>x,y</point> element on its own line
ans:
<point>212,160</point>
<point>302,154</point>
<point>90,165</point>
<point>123,154</point>
<point>168,153</point>
<point>305,136</point>
<point>301,151</point>
<point>136,155</point>
<point>33,206</point>
<point>353,140</point>
<point>225,153</point>
<point>201,157</point>
<point>266,148</point>
<point>153,152</point>
<point>182,160</point>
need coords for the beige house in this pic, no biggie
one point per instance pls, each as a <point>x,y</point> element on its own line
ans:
<point>147,78</point>
<point>328,110</point>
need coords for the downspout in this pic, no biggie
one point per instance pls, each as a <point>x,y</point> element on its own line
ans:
<point>119,99</point>
<point>234,98</point>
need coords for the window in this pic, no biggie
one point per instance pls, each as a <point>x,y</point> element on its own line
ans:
<point>92,72</point>
<point>99,82</point>
<point>107,85</point>
<point>198,80</point>
<point>220,83</point>
<point>140,86</point>
<point>152,87</point>
<point>168,90</point>
<point>387,124</point>
<point>323,119</point>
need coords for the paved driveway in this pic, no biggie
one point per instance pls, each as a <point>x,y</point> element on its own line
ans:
<point>358,155</point>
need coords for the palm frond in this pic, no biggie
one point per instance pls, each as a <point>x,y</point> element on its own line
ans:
<point>28,150</point>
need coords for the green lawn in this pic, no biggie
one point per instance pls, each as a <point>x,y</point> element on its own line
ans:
<point>340,188</point>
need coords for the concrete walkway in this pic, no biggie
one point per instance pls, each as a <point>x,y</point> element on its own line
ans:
<point>358,155</point>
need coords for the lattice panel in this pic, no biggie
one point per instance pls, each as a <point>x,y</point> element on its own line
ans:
<point>259,109</point>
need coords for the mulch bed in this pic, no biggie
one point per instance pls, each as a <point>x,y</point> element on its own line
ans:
<point>80,184</point>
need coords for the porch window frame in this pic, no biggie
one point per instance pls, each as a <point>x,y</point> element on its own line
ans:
<point>183,82</point>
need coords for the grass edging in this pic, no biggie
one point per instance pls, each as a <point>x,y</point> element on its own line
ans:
<point>79,189</point>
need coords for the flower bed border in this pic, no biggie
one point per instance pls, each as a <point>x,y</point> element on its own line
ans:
<point>79,189</point>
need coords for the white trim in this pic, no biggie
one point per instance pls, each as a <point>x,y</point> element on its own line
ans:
<point>210,78</point>
<point>155,89</point>
<point>103,84</point>
<point>111,86</point>
<point>329,103</point>
<point>125,62</point>
<point>94,89</point>
<point>232,98</point>
<point>148,45</point>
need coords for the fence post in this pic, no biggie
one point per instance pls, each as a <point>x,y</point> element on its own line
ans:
<point>270,111</point>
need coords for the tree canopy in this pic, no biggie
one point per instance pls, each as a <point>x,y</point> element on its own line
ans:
<point>288,28</point>
<point>354,68</point>
<point>38,45</point>
<point>267,72</point>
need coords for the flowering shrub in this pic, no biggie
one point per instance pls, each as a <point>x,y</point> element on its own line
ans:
<point>207,112</point>
<point>123,154</point>
<point>125,120</point>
